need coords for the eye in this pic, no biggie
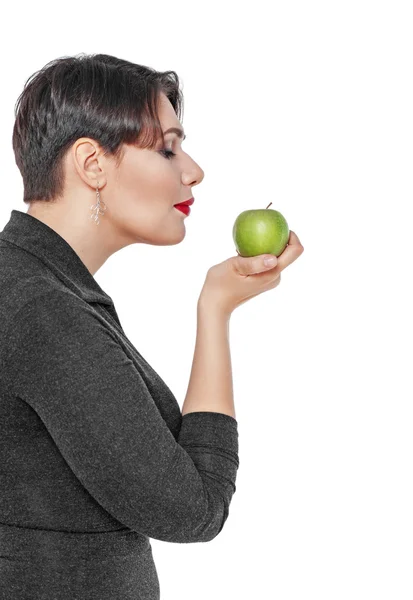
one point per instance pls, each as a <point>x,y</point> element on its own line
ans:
<point>167,153</point>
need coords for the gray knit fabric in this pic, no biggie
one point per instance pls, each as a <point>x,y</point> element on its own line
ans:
<point>95,456</point>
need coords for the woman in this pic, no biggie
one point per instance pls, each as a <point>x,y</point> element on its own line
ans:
<point>96,456</point>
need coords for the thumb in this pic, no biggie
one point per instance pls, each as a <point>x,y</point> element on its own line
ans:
<point>248,265</point>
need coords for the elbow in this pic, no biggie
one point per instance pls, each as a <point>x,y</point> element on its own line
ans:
<point>201,522</point>
<point>214,518</point>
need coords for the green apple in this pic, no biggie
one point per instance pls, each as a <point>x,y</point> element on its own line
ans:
<point>260,231</point>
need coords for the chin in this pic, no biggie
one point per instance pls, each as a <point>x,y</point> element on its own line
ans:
<point>169,238</point>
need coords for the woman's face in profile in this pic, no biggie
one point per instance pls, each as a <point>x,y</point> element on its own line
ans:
<point>142,191</point>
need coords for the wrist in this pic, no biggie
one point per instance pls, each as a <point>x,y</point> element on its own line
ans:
<point>209,306</point>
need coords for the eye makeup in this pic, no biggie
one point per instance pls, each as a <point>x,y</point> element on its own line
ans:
<point>167,153</point>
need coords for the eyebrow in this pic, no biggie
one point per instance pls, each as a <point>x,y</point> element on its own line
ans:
<point>179,132</point>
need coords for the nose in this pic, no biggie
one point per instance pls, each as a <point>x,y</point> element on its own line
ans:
<point>195,177</point>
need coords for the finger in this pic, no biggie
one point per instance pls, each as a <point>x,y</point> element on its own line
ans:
<point>293,240</point>
<point>292,251</point>
<point>249,265</point>
<point>255,264</point>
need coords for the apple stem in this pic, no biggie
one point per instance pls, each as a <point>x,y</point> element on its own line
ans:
<point>268,205</point>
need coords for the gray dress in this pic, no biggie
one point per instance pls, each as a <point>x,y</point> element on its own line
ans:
<point>95,455</point>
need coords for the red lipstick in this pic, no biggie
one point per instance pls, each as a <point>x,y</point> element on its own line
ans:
<point>184,206</point>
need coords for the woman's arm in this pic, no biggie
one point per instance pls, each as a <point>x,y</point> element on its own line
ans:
<point>210,386</point>
<point>68,367</point>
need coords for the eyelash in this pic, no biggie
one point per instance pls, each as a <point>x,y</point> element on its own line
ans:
<point>167,153</point>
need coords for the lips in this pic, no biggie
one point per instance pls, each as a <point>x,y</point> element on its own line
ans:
<point>183,208</point>
<point>186,203</point>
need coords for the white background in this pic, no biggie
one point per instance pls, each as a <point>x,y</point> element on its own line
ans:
<point>308,105</point>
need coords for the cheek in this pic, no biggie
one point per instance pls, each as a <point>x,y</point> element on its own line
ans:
<point>151,179</point>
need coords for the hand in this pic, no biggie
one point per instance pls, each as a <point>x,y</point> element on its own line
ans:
<point>237,279</point>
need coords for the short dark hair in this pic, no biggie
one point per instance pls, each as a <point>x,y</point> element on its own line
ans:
<point>109,99</point>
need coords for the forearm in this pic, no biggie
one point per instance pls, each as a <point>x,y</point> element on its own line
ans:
<point>210,386</point>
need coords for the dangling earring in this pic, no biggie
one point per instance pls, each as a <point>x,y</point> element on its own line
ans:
<point>99,208</point>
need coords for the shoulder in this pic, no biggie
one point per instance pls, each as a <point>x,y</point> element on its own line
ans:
<point>50,332</point>
<point>43,310</point>
<point>36,292</point>
<point>23,278</point>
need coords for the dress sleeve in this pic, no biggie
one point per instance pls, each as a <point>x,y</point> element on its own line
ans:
<point>68,366</point>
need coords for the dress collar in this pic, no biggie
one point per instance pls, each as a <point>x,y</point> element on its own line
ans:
<point>46,244</point>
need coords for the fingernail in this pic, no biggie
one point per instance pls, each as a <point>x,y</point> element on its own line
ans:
<point>270,261</point>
